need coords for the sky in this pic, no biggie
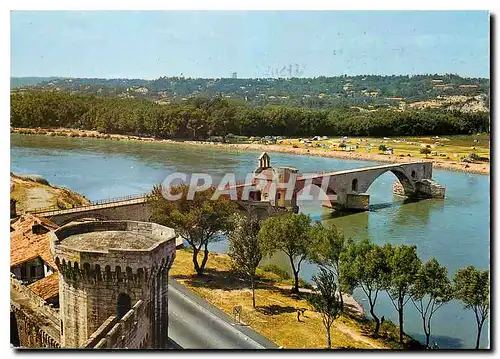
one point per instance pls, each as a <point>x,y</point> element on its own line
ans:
<point>150,44</point>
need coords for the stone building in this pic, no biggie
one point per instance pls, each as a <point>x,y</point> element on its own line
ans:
<point>266,194</point>
<point>274,190</point>
<point>112,287</point>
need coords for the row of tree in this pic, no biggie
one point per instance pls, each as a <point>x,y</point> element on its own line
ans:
<point>200,118</point>
<point>343,264</point>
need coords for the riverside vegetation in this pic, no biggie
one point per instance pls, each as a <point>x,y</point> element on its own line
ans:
<point>344,265</point>
<point>198,118</point>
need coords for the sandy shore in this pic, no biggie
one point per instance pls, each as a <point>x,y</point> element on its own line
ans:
<point>480,168</point>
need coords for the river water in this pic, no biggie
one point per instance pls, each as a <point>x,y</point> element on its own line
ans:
<point>456,230</point>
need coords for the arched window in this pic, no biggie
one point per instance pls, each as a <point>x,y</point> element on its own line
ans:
<point>413,174</point>
<point>354,186</point>
<point>123,304</point>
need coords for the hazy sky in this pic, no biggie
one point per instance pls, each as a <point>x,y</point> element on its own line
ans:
<point>217,43</point>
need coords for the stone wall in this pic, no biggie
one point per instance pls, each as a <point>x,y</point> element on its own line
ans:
<point>132,331</point>
<point>37,322</point>
<point>30,334</point>
<point>34,299</point>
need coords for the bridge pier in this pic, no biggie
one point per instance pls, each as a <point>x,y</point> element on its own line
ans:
<point>352,202</point>
<point>425,188</point>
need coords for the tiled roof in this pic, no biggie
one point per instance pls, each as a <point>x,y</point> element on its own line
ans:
<point>26,245</point>
<point>47,287</point>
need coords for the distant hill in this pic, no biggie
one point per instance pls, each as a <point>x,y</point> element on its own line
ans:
<point>318,92</point>
<point>16,82</point>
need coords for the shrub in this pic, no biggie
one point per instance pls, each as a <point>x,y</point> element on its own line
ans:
<point>425,150</point>
<point>34,178</point>
<point>273,268</point>
<point>304,284</point>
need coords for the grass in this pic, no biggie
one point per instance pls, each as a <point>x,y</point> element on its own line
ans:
<point>276,314</point>
<point>455,147</point>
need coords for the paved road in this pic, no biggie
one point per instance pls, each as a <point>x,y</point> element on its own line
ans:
<point>196,324</point>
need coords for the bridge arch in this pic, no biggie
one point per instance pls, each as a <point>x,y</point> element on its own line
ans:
<point>406,180</point>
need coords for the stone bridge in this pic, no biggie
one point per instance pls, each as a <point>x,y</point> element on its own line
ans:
<point>349,187</point>
<point>346,189</point>
<point>133,208</point>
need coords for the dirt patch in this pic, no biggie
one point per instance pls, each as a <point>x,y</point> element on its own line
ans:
<point>34,194</point>
<point>38,197</point>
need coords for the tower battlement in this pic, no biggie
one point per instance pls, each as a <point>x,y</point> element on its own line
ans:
<point>116,251</point>
<point>105,267</point>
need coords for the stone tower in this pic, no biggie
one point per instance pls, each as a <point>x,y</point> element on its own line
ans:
<point>106,267</point>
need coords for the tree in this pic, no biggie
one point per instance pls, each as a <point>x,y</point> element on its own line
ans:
<point>197,221</point>
<point>327,244</point>
<point>222,115</point>
<point>404,265</point>
<point>288,233</point>
<point>324,299</point>
<point>382,148</point>
<point>430,291</point>
<point>426,151</point>
<point>472,287</point>
<point>364,264</point>
<point>244,247</point>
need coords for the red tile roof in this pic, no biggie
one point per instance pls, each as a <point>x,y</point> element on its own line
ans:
<point>47,287</point>
<point>26,245</point>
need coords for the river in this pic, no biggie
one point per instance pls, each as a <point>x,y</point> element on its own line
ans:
<point>456,230</point>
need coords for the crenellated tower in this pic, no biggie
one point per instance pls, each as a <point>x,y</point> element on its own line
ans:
<point>106,268</point>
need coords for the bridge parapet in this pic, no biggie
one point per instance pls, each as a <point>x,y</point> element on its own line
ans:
<point>125,200</point>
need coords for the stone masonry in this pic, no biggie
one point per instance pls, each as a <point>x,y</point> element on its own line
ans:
<point>113,283</point>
